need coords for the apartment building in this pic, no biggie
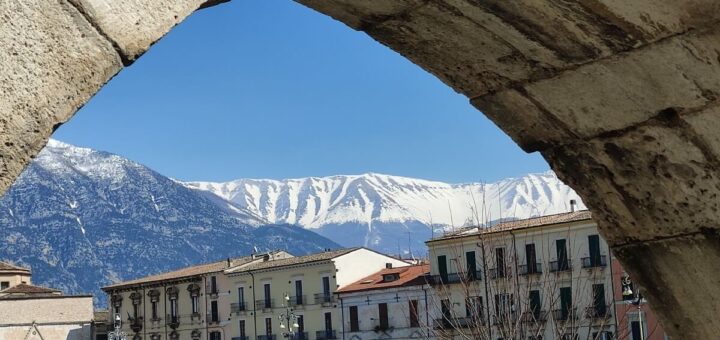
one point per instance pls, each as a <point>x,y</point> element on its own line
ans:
<point>187,304</point>
<point>635,319</point>
<point>392,303</point>
<point>32,312</point>
<point>540,278</point>
<point>263,292</point>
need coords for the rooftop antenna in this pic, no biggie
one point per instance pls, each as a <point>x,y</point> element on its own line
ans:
<point>410,245</point>
<point>255,250</point>
<point>452,223</point>
<point>572,205</point>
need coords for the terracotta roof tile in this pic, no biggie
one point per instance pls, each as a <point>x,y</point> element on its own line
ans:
<point>409,276</point>
<point>25,288</point>
<point>532,222</point>
<point>7,267</point>
<point>324,256</point>
<point>206,268</point>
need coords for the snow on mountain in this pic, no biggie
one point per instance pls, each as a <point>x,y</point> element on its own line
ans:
<point>82,218</point>
<point>386,212</point>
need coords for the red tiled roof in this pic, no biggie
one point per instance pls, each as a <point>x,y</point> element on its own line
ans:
<point>6,267</point>
<point>25,288</point>
<point>532,222</point>
<point>409,276</point>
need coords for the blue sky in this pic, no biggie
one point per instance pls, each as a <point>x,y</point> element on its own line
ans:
<point>271,89</point>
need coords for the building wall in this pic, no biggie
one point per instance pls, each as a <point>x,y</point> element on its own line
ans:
<point>66,318</point>
<point>397,300</point>
<point>14,279</point>
<point>518,286</point>
<point>627,312</point>
<point>361,263</point>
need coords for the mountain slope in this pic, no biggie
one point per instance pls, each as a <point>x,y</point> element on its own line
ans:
<point>390,212</point>
<point>83,218</point>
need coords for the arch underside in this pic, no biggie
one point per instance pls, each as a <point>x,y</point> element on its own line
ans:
<point>619,96</point>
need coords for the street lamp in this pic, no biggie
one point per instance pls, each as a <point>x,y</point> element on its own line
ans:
<point>627,292</point>
<point>117,334</point>
<point>288,318</point>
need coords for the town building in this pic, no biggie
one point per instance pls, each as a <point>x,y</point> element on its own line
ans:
<point>549,277</point>
<point>190,303</point>
<point>635,319</point>
<point>392,303</point>
<point>271,296</point>
<point>32,312</point>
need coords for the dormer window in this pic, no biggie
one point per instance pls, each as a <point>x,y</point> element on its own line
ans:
<point>391,277</point>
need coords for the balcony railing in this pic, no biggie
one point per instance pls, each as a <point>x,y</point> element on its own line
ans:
<point>240,338</point>
<point>173,321</point>
<point>213,318</point>
<point>237,307</point>
<point>266,337</point>
<point>530,270</point>
<point>296,301</point>
<point>325,335</point>
<point>593,312</point>
<point>504,318</point>
<point>442,323</point>
<point>594,261</point>
<point>301,336</point>
<point>565,314</point>
<point>533,317</point>
<point>265,304</point>
<point>212,291</point>
<point>498,273</point>
<point>559,266</point>
<point>136,324</point>
<point>324,298</point>
<point>469,321</point>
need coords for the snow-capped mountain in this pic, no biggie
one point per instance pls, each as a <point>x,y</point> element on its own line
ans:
<point>82,218</point>
<point>392,213</point>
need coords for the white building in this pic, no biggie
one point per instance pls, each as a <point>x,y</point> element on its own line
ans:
<point>390,304</point>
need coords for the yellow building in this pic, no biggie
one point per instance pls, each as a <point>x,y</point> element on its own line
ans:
<point>305,286</point>
<point>540,278</point>
<point>186,304</point>
<point>11,275</point>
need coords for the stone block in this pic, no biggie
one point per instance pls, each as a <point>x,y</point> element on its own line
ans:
<point>52,61</point>
<point>134,25</point>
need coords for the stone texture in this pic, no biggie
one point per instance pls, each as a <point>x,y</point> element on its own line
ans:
<point>679,277</point>
<point>51,62</point>
<point>134,25</point>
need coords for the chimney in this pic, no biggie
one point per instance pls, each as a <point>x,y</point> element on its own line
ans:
<point>388,265</point>
<point>228,262</point>
<point>573,203</point>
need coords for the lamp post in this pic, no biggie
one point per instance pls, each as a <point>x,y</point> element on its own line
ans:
<point>627,291</point>
<point>288,318</point>
<point>117,334</point>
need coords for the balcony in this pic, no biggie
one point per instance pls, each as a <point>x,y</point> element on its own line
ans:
<point>264,305</point>
<point>301,336</point>
<point>442,323</point>
<point>212,318</point>
<point>240,338</point>
<point>594,262</point>
<point>534,317</point>
<point>530,270</point>
<point>504,318</point>
<point>498,273</point>
<point>136,324</point>
<point>558,266</point>
<point>266,337</point>
<point>325,335</point>
<point>324,299</point>
<point>565,314</point>
<point>597,313</point>
<point>297,301</point>
<point>237,307</point>
<point>469,322</point>
<point>173,321</point>
<point>212,291</point>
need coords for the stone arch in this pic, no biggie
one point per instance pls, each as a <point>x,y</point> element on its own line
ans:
<point>621,101</point>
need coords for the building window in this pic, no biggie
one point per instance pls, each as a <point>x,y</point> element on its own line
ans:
<point>565,302</point>
<point>562,256</point>
<point>4,285</point>
<point>503,306</point>
<point>266,290</point>
<point>446,311</point>
<point>195,301</point>
<point>213,285</point>
<point>531,258</point>
<point>599,306</point>
<point>215,335</point>
<point>594,248</point>
<point>154,305</point>
<point>214,316</point>
<point>328,326</point>
<point>535,305</point>
<point>301,327</point>
<point>471,264</point>
<point>354,319</point>
<point>500,262</point>
<point>298,292</point>
<point>383,316</point>
<point>473,307</point>
<point>241,299</point>
<point>603,335</point>
<point>268,327</point>
<point>442,268</point>
<point>326,286</point>
<point>413,312</point>
<point>241,327</point>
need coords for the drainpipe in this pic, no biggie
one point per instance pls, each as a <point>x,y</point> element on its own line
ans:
<point>517,282</point>
<point>207,323</point>
<point>612,287</point>
<point>253,304</point>
<point>342,316</point>
<point>427,312</point>
<point>165,298</point>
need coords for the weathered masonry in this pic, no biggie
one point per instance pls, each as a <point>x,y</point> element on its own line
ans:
<point>620,96</point>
